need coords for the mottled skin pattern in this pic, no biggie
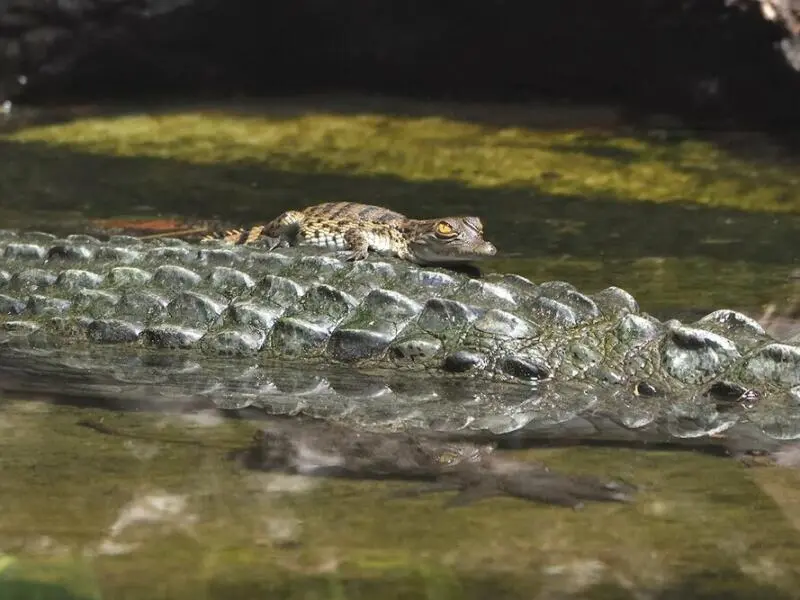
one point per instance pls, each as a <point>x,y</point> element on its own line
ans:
<point>361,228</point>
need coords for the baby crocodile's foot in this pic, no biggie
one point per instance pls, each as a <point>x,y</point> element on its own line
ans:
<point>271,243</point>
<point>358,245</point>
<point>358,254</point>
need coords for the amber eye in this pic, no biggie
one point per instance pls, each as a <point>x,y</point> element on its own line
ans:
<point>447,457</point>
<point>444,229</point>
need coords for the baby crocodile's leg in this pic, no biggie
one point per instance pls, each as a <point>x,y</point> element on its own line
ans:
<point>282,231</point>
<point>358,244</point>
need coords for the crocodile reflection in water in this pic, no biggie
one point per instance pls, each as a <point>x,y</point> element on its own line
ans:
<point>475,472</point>
<point>314,448</point>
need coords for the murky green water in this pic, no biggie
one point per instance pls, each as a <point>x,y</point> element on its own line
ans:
<point>161,512</point>
<point>112,516</point>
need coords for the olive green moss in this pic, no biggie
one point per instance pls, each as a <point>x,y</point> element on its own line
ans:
<point>622,164</point>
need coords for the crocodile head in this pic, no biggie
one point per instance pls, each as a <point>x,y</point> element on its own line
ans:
<point>448,240</point>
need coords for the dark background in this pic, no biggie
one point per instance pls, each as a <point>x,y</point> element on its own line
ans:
<point>704,60</point>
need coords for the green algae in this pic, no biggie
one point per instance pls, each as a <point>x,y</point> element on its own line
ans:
<point>619,163</point>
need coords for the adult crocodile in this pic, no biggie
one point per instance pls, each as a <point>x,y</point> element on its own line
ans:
<point>393,345</point>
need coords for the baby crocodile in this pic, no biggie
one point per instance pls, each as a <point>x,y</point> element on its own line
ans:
<point>360,228</point>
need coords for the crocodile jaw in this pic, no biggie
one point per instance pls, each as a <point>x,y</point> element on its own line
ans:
<point>426,255</point>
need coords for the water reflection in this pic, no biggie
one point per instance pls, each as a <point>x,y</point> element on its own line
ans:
<point>182,500</point>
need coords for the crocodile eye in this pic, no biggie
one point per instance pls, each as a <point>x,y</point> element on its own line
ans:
<point>447,457</point>
<point>444,229</point>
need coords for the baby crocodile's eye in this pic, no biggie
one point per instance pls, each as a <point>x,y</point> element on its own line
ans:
<point>444,229</point>
<point>448,457</point>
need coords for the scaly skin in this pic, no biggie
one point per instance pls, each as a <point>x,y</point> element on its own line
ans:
<point>361,228</point>
<point>500,355</point>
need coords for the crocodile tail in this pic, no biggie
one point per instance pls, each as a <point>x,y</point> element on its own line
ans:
<point>236,236</point>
